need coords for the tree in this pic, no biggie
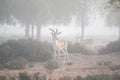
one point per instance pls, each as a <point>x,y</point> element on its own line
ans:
<point>62,14</point>
<point>4,13</point>
<point>21,12</point>
<point>28,13</point>
<point>83,13</point>
<point>113,18</point>
<point>42,12</point>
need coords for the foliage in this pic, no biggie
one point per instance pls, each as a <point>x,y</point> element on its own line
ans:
<point>77,48</point>
<point>2,77</point>
<point>66,78</point>
<point>19,63</point>
<point>31,65</point>
<point>51,65</point>
<point>115,76</point>
<point>98,77</point>
<point>111,47</point>
<point>113,68</point>
<point>78,78</point>
<point>42,77</point>
<point>24,76</point>
<point>103,77</point>
<point>36,76</point>
<point>29,49</point>
<point>104,63</point>
<point>4,13</point>
<point>113,17</point>
<point>14,52</point>
<point>94,77</point>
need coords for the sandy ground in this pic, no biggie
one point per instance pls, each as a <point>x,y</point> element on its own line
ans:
<point>82,65</point>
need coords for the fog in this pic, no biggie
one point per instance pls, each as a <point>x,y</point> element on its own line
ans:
<point>59,39</point>
<point>95,30</point>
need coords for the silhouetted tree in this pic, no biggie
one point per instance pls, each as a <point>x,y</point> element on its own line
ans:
<point>113,17</point>
<point>5,16</point>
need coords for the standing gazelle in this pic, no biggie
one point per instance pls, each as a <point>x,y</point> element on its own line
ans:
<point>59,46</point>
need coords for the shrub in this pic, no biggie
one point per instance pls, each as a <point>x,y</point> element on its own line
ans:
<point>31,65</point>
<point>2,77</point>
<point>116,76</point>
<point>24,76</point>
<point>77,48</point>
<point>42,77</point>
<point>66,78</point>
<point>100,63</point>
<point>104,63</point>
<point>51,65</point>
<point>19,63</point>
<point>32,50</point>
<point>36,76</point>
<point>4,54</point>
<point>98,77</point>
<point>78,78</point>
<point>103,77</point>
<point>113,68</point>
<point>111,47</point>
<point>107,63</point>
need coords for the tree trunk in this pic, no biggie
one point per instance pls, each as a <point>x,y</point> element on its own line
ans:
<point>38,32</point>
<point>83,21</point>
<point>119,33</point>
<point>32,32</point>
<point>27,32</point>
<point>82,30</point>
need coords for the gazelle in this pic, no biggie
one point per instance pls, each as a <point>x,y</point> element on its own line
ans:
<point>59,46</point>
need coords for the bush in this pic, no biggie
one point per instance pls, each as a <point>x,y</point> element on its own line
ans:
<point>116,76</point>
<point>36,76</point>
<point>31,65</point>
<point>78,78</point>
<point>2,77</point>
<point>103,77</point>
<point>111,47</point>
<point>98,77</point>
<point>113,68</point>
<point>32,50</point>
<point>66,78</point>
<point>104,63</point>
<point>19,63</point>
<point>51,65</point>
<point>77,48</point>
<point>24,76</point>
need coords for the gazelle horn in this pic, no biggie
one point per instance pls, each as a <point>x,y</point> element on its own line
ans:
<point>52,30</point>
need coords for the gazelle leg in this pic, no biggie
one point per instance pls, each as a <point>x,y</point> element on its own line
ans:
<point>64,57</point>
<point>59,54</point>
<point>67,55</point>
<point>55,54</point>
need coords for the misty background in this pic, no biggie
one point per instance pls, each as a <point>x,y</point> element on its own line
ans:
<point>95,19</point>
<point>59,39</point>
<point>95,30</point>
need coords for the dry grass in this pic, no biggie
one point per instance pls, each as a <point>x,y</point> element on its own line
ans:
<point>81,65</point>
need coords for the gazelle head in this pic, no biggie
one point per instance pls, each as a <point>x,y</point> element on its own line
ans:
<point>54,33</point>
